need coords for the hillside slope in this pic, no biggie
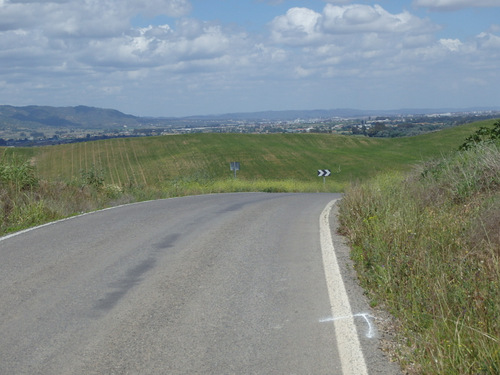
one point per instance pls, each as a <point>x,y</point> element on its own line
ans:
<point>155,161</point>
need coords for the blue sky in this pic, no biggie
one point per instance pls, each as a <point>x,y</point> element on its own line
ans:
<point>188,57</point>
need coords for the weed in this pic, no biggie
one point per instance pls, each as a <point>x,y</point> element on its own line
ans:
<point>93,177</point>
<point>18,175</point>
<point>426,245</point>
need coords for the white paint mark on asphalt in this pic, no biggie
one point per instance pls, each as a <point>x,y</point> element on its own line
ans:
<point>366,317</point>
<point>351,356</point>
<point>370,333</point>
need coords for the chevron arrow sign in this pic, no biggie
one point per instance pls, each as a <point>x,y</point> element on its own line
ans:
<point>324,172</point>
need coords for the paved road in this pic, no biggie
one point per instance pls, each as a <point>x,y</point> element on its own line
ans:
<point>216,284</point>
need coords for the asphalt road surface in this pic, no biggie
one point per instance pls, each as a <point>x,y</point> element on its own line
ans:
<point>217,284</point>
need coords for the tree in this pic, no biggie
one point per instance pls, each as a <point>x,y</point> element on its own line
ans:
<point>376,128</point>
<point>482,135</point>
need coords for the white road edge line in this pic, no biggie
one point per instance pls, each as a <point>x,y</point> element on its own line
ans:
<point>349,347</point>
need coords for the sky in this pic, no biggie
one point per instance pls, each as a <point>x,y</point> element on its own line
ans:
<point>196,57</point>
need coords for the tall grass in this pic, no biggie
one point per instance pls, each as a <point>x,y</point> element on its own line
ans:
<point>17,182</point>
<point>26,200</point>
<point>427,247</point>
<point>187,186</point>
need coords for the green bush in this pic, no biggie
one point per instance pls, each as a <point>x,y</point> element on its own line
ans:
<point>19,175</point>
<point>482,135</point>
<point>93,177</point>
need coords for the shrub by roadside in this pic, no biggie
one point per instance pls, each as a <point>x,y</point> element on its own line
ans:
<point>27,201</point>
<point>427,248</point>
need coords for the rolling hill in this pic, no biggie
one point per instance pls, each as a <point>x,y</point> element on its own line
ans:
<point>157,161</point>
<point>80,117</point>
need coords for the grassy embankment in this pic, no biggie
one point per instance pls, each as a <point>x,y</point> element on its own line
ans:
<point>427,248</point>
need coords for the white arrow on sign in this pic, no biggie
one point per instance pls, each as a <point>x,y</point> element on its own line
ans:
<point>324,172</point>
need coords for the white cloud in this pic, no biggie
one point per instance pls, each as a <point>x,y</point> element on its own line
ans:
<point>455,4</point>
<point>90,43</point>
<point>297,26</point>
<point>98,32</point>
<point>163,46</point>
<point>489,41</point>
<point>87,52</point>
<point>367,43</point>
<point>355,40</point>
<point>302,26</point>
<point>453,45</point>
<point>82,18</point>
<point>364,18</point>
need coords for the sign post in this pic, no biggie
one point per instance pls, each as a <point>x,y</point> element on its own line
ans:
<point>324,173</point>
<point>235,166</point>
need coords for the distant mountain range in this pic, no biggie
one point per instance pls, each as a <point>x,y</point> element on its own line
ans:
<point>65,117</point>
<point>34,117</point>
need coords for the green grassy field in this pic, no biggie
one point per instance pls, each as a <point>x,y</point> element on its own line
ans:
<point>160,161</point>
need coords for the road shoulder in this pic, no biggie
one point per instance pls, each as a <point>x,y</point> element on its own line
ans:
<point>375,326</point>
